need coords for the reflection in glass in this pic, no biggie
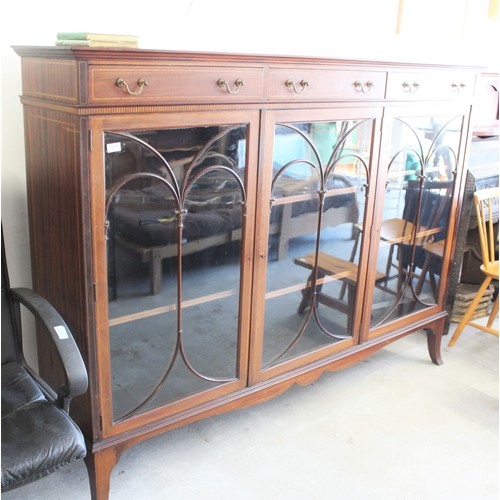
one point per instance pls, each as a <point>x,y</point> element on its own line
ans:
<point>175,203</point>
<point>318,190</point>
<point>420,181</point>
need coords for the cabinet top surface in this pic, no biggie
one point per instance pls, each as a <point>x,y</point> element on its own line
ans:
<point>105,54</point>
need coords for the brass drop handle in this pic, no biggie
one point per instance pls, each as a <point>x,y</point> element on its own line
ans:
<point>364,87</point>
<point>239,83</point>
<point>303,84</point>
<point>120,82</point>
<point>411,88</point>
<point>458,87</point>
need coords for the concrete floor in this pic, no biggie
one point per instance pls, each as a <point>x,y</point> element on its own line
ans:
<point>392,427</point>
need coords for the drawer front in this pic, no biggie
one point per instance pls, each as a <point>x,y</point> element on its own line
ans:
<point>317,84</point>
<point>151,84</point>
<point>417,86</point>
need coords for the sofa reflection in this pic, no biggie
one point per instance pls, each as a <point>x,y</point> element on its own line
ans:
<point>147,221</point>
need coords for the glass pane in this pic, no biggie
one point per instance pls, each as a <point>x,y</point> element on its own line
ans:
<point>175,202</point>
<point>320,173</point>
<point>417,201</point>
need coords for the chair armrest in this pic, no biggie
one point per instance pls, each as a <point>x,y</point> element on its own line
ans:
<point>75,372</point>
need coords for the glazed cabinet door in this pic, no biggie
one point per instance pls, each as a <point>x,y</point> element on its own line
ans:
<point>172,241</point>
<point>315,191</point>
<point>420,170</point>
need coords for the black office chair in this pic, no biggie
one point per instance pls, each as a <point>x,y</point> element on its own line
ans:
<point>38,436</point>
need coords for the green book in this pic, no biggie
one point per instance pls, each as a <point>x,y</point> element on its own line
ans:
<point>101,37</point>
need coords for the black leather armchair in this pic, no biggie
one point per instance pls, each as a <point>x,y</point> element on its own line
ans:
<point>38,436</point>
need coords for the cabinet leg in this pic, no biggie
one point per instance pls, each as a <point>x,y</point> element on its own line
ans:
<point>99,466</point>
<point>434,343</point>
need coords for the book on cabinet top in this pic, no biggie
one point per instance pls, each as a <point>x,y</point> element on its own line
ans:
<point>102,37</point>
<point>95,43</point>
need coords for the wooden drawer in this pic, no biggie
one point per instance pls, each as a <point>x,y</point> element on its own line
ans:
<point>325,85</point>
<point>434,85</point>
<point>108,84</point>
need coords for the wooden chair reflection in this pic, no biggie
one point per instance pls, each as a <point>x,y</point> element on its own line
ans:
<point>429,236</point>
<point>484,201</point>
<point>402,234</point>
<point>434,252</point>
<point>338,269</point>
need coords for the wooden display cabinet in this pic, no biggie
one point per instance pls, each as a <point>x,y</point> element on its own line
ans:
<point>215,228</point>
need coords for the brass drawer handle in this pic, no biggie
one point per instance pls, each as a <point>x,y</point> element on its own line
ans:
<point>458,87</point>
<point>303,84</point>
<point>120,82</point>
<point>239,83</point>
<point>364,87</point>
<point>411,88</point>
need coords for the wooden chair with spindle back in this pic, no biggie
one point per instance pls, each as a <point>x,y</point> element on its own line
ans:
<point>484,201</point>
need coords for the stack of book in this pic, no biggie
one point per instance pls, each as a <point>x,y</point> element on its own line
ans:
<point>96,40</point>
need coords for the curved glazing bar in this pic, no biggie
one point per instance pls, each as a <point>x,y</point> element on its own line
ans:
<point>419,189</point>
<point>175,211</point>
<point>318,188</point>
